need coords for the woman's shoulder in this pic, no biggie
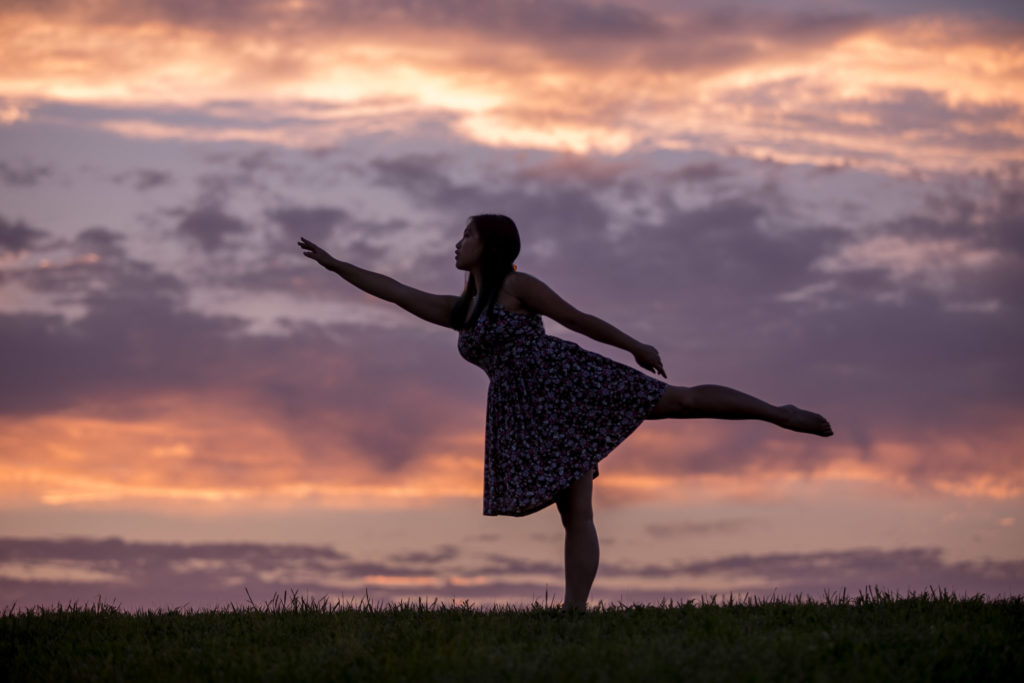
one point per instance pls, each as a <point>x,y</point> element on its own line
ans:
<point>517,282</point>
<point>515,289</point>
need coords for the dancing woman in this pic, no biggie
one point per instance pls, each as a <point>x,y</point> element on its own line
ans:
<point>554,410</point>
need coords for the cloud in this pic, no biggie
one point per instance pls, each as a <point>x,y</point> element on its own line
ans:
<point>18,236</point>
<point>739,286</point>
<point>550,19</point>
<point>339,412</point>
<point>442,554</point>
<point>23,175</point>
<point>210,227</point>
<point>316,223</point>
<point>94,266</point>
<point>145,178</point>
<point>152,575</point>
<point>825,87</point>
<point>721,526</point>
<point>881,315</point>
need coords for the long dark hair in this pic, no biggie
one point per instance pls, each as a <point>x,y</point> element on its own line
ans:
<point>500,240</point>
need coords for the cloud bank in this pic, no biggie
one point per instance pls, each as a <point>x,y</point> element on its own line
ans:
<point>801,85</point>
<point>161,576</point>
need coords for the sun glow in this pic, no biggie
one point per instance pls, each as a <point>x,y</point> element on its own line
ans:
<point>185,455</point>
<point>823,106</point>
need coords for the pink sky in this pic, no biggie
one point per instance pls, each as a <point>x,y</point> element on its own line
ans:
<point>819,203</point>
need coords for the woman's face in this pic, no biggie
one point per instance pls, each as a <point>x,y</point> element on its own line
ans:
<point>469,249</point>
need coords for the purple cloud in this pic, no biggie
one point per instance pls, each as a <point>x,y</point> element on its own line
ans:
<point>143,179</point>
<point>315,223</point>
<point>210,227</point>
<point>24,174</point>
<point>705,283</point>
<point>151,575</point>
<point>18,236</point>
<point>713,527</point>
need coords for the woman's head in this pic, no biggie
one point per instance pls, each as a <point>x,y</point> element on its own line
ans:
<point>490,241</point>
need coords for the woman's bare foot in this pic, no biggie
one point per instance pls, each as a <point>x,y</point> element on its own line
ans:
<point>800,420</point>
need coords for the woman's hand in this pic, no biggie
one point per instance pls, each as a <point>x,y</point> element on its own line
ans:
<point>316,253</point>
<point>647,357</point>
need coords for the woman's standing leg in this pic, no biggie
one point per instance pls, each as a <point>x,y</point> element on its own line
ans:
<point>582,551</point>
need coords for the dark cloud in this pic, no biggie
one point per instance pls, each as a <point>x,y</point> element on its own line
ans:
<point>315,223</point>
<point>719,526</point>
<point>119,345</point>
<point>151,575</point>
<point>389,394</point>
<point>505,564</point>
<point>143,179</point>
<point>701,172</point>
<point>100,240</point>
<point>23,175</point>
<point>557,18</point>
<point>483,538</point>
<point>18,236</point>
<point>117,354</point>
<point>442,554</point>
<point>904,110</point>
<point>98,268</point>
<point>911,568</point>
<point>696,38</point>
<point>537,201</point>
<point>929,117</point>
<point>382,396</point>
<point>210,227</point>
<point>131,553</point>
<point>347,238</point>
<point>991,9</point>
<point>881,352</point>
<point>704,283</point>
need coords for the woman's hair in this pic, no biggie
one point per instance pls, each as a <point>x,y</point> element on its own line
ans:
<point>500,240</point>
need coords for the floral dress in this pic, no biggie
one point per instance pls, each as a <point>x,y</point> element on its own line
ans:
<point>553,409</point>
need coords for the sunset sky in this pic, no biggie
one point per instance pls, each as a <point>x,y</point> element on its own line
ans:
<point>818,202</point>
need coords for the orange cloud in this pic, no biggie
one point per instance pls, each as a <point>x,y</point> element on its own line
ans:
<point>216,452</point>
<point>226,452</point>
<point>661,462</point>
<point>931,93</point>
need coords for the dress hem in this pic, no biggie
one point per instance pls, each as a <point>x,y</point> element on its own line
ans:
<point>654,400</point>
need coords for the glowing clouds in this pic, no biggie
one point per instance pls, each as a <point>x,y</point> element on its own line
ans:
<point>936,93</point>
<point>217,453</point>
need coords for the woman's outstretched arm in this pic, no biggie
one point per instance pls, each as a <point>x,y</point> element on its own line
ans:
<point>435,308</point>
<point>540,298</point>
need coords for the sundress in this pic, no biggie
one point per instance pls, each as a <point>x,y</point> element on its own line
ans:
<point>554,410</point>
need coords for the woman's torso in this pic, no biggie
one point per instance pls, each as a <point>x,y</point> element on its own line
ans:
<point>502,339</point>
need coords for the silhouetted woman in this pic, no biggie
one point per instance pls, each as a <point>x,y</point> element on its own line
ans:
<point>554,410</point>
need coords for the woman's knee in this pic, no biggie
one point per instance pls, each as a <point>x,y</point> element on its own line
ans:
<point>575,505</point>
<point>577,521</point>
<point>574,516</point>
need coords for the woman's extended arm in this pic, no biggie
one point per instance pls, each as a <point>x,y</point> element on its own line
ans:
<point>435,308</point>
<point>540,298</point>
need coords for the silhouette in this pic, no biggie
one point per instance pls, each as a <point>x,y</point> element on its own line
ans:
<point>554,410</point>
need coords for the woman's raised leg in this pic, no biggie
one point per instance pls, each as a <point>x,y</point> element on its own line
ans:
<point>582,551</point>
<point>723,403</point>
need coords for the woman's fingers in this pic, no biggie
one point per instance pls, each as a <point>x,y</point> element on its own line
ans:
<point>311,249</point>
<point>649,359</point>
<point>314,252</point>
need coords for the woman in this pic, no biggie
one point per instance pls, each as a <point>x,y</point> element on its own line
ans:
<point>553,409</point>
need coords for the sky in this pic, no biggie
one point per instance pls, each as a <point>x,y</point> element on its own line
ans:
<point>819,203</point>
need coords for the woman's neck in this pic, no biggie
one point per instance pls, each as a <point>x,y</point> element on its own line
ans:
<point>478,278</point>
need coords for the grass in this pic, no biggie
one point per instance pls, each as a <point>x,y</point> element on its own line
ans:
<point>875,636</point>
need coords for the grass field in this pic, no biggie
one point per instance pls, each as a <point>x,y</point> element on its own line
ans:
<point>875,636</point>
